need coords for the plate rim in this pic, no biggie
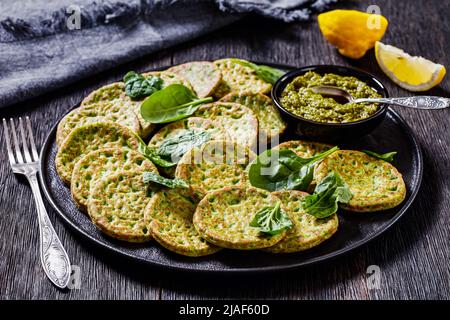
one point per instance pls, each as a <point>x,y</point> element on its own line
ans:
<point>264,269</point>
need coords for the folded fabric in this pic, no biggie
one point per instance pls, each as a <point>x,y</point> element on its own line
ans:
<point>286,10</point>
<point>47,44</point>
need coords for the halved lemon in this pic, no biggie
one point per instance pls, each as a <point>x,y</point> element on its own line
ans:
<point>410,73</point>
<point>352,32</point>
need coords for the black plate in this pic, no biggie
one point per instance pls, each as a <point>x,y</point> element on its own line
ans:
<point>355,230</point>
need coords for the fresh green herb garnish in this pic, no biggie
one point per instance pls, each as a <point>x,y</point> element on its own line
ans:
<point>153,156</point>
<point>282,169</point>
<point>328,192</point>
<point>265,73</point>
<point>271,220</point>
<point>172,103</point>
<point>389,157</point>
<point>151,177</point>
<point>137,86</point>
<point>175,147</point>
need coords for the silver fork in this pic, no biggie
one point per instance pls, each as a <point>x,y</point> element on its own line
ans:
<point>54,258</point>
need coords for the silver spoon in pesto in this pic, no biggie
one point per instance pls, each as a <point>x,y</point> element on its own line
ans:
<point>415,102</point>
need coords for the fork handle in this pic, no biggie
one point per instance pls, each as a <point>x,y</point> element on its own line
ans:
<point>54,258</point>
<point>415,102</point>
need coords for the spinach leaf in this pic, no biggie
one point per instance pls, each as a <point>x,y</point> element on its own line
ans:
<point>172,103</point>
<point>328,192</point>
<point>137,86</point>
<point>271,220</point>
<point>175,147</point>
<point>389,157</point>
<point>265,73</point>
<point>153,156</point>
<point>282,169</point>
<point>151,177</point>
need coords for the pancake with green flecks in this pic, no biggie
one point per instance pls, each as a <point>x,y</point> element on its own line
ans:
<point>108,111</point>
<point>175,139</point>
<point>375,184</point>
<point>240,122</point>
<point>103,162</point>
<point>199,129</point>
<point>117,206</point>
<point>269,119</point>
<point>214,165</point>
<point>116,92</point>
<point>171,212</point>
<point>223,218</point>
<point>204,76</point>
<point>304,149</point>
<point>238,78</point>
<point>307,231</point>
<point>91,137</point>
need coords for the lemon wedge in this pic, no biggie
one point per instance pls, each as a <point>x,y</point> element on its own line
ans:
<point>410,73</point>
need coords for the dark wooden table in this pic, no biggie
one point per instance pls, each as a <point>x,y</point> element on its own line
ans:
<point>413,256</point>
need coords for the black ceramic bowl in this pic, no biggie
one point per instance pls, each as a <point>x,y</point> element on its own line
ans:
<point>330,132</point>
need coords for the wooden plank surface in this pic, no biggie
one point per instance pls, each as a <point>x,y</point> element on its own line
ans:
<point>413,256</point>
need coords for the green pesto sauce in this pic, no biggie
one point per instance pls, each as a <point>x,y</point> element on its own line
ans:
<point>300,100</point>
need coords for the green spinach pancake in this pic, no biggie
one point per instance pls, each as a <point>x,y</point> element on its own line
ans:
<point>223,218</point>
<point>375,184</point>
<point>214,165</point>
<point>103,162</point>
<point>240,122</point>
<point>117,206</point>
<point>115,92</point>
<point>110,111</point>
<point>269,119</point>
<point>204,76</point>
<point>91,137</point>
<point>175,139</point>
<point>171,212</point>
<point>308,231</point>
<point>238,78</point>
<point>304,149</point>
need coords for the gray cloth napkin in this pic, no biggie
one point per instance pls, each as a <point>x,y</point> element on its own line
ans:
<point>286,10</point>
<point>44,46</point>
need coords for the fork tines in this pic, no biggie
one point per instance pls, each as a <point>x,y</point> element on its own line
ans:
<point>19,156</point>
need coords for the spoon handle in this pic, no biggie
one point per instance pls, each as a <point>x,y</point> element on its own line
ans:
<point>416,102</point>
